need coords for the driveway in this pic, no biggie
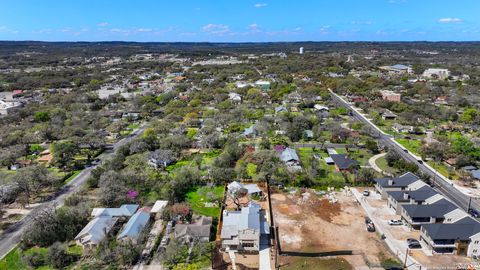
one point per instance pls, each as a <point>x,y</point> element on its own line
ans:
<point>396,246</point>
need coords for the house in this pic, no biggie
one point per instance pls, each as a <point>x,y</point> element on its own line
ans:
<point>280,109</point>
<point>263,85</point>
<point>250,189</point>
<point>244,230</point>
<point>321,108</point>
<point>423,195</point>
<point>8,107</point>
<point>250,131</point>
<point>402,129</point>
<point>242,84</point>
<point>475,174</point>
<point>343,163</point>
<point>46,157</point>
<point>134,227</point>
<point>235,98</point>
<point>308,134</point>
<point>461,237</point>
<point>398,69</point>
<point>126,210</point>
<point>405,182</point>
<point>390,96</point>
<point>388,115</point>
<point>95,231</point>
<point>199,230</point>
<point>442,211</point>
<point>158,207</point>
<point>436,73</point>
<point>158,163</point>
<point>441,100</point>
<point>290,157</point>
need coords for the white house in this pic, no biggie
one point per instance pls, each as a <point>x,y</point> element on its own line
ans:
<point>95,231</point>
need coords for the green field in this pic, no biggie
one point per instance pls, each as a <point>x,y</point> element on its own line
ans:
<point>382,163</point>
<point>444,170</point>
<point>200,196</point>
<point>413,146</point>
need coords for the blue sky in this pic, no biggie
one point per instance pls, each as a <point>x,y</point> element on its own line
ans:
<point>240,20</point>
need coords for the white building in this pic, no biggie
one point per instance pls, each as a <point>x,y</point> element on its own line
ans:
<point>7,107</point>
<point>300,51</point>
<point>436,73</point>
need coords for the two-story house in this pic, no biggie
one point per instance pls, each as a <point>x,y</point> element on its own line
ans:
<point>405,182</point>
<point>243,230</point>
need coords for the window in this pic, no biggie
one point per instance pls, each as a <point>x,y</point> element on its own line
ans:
<point>476,242</point>
<point>449,219</point>
<point>474,251</point>
<point>247,244</point>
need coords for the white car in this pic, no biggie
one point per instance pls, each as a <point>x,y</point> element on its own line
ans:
<point>395,222</point>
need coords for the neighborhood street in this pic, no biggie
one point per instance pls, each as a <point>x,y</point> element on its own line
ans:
<point>440,183</point>
<point>12,236</point>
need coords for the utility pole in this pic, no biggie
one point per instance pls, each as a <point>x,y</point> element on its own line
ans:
<point>406,257</point>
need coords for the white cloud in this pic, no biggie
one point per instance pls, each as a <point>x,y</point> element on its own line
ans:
<point>253,27</point>
<point>216,29</point>
<point>144,30</point>
<point>450,20</point>
<point>103,24</point>
<point>5,29</point>
<point>260,5</point>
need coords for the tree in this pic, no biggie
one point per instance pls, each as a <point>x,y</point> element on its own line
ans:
<point>58,255</point>
<point>364,175</point>
<point>174,254</point>
<point>113,191</point>
<point>31,180</point>
<point>63,153</point>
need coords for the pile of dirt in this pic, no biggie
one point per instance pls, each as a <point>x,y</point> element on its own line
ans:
<point>326,210</point>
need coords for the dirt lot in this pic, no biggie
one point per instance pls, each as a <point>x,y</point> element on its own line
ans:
<point>310,223</point>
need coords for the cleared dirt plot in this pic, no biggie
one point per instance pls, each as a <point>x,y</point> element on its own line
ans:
<point>311,223</point>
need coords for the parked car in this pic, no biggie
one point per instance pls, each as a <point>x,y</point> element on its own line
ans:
<point>366,193</point>
<point>369,224</point>
<point>394,222</point>
<point>413,243</point>
<point>164,241</point>
<point>474,213</point>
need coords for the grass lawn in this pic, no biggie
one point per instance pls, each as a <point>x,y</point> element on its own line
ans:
<point>179,164</point>
<point>331,177</point>
<point>443,170</point>
<point>299,263</point>
<point>75,173</point>
<point>133,126</point>
<point>413,146</point>
<point>199,197</point>
<point>382,163</point>
<point>12,261</point>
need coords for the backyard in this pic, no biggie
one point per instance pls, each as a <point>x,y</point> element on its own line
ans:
<point>203,196</point>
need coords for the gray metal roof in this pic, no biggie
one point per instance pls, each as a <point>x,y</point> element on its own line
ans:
<point>289,154</point>
<point>461,230</point>
<point>420,194</point>
<point>343,162</point>
<point>247,218</point>
<point>135,225</point>
<point>437,209</point>
<point>401,181</point>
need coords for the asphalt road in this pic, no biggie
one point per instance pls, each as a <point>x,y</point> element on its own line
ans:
<point>12,236</point>
<point>440,183</point>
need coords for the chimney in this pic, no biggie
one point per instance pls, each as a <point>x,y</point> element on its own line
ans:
<point>405,196</point>
<point>390,182</point>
